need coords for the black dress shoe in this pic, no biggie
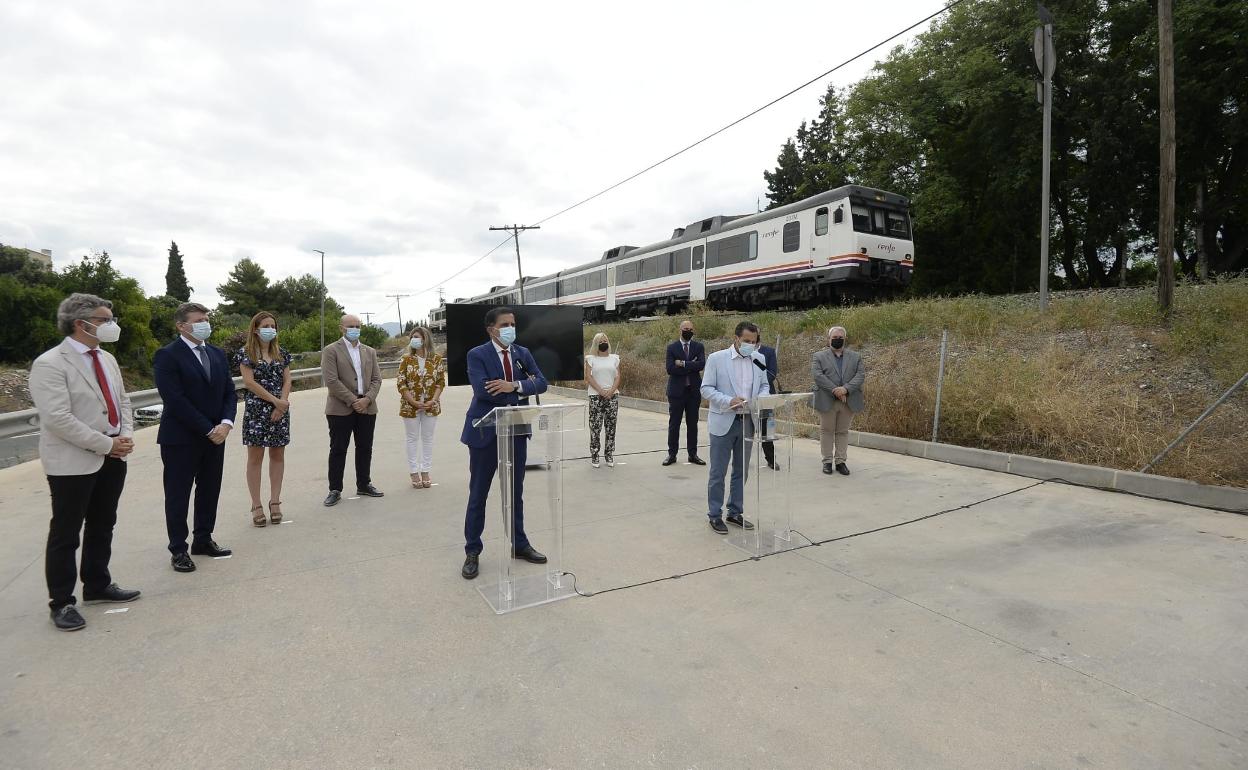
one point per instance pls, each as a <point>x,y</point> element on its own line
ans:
<point>332,498</point>
<point>182,562</point>
<point>696,460</point>
<point>719,526</point>
<point>113,593</point>
<point>471,567</point>
<point>739,520</point>
<point>209,547</point>
<point>842,469</point>
<point>530,554</point>
<point>370,491</point>
<point>669,460</point>
<point>827,468</point>
<point>67,618</point>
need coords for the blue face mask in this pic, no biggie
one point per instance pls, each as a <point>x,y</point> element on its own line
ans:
<point>417,343</point>
<point>507,335</point>
<point>352,333</point>
<point>747,349</point>
<point>201,331</point>
<point>267,334</point>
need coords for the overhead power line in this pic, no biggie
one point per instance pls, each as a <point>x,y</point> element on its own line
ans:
<point>709,136</point>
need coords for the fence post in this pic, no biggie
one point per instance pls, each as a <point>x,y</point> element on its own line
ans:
<point>940,381</point>
<point>1208,411</point>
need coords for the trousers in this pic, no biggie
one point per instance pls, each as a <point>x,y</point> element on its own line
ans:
<point>86,503</point>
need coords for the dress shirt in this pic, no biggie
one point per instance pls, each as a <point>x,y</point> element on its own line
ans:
<point>742,375</point>
<point>353,350</point>
<point>108,377</point>
<point>193,344</point>
<point>514,371</point>
<point>839,358</point>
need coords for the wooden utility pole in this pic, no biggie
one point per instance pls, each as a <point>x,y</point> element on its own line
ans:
<point>1165,198</point>
<point>398,303</point>
<point>515,232</point>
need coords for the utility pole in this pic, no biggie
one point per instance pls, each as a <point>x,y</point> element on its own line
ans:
<point>515,231</point>
<point>398,304</point>
<point>318,251</point>
<point>368,317</point>
<point>1165,198</point>
<point>1046,62</point>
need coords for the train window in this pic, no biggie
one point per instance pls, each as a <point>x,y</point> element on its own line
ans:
<point>821,222</point>
<point>627,273</point>
<point>898,227</point>
<point>650,268</point>
<point>862,218</point>
<point>697,257</point>
<point>877,221</point>
<point>680,261</point>
<point>730,251</point>
<point>793,235</point>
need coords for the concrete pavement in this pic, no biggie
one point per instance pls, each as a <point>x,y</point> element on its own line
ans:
<point>1053,627</point>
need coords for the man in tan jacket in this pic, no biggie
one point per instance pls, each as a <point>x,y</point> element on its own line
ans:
<point>353,379</point>
<point>86,429</point>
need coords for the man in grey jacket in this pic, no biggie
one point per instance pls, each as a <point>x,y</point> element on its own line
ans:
<point>838,374</point>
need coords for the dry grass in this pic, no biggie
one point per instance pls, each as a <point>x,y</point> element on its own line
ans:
<point>1100,379</point>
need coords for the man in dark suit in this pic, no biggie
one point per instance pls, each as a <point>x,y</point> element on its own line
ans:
<point>501,374</point>
<point>198,393</point>
<point>685,360</point>
<point>773,386</point>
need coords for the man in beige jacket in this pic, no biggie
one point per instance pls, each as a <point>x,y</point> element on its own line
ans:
<point>353,379</point>
<point>86,429</point>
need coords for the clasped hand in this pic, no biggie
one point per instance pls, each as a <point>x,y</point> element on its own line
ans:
<point>122,446</point>
<point>219,434</point>
<point>736,403</point>
<point>360,404</point>
<point>494,387</point>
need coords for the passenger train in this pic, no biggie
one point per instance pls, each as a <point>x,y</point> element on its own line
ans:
<point>851,242</point>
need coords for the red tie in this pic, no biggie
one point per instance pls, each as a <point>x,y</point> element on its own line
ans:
<point>108,393</point>
<point>506,365</point>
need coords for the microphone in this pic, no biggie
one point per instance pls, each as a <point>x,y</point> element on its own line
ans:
<point>524,370</point>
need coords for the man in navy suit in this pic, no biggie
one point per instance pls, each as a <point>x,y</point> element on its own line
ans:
<point>773,386</point>
<point>685,360</point>
<point>198,393</point>
<point>501,374</point>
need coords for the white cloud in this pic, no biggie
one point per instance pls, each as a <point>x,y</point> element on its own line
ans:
<point>392,135</point>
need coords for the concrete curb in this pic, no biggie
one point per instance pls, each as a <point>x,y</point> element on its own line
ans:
<point>1230,499</point>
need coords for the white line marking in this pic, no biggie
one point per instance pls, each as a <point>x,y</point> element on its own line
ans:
<point>115,611</point>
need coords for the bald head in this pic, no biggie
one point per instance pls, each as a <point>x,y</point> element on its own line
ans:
<point>350,320</point>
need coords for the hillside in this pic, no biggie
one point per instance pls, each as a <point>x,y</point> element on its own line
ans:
<point>1099,379</point>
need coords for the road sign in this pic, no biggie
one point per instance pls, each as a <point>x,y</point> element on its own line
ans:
<point>1042,47</point>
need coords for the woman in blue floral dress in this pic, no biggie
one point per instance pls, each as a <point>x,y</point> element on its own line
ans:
<point>266,414</point>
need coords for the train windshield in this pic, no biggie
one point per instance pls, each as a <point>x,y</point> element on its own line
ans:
<point>869,218</point>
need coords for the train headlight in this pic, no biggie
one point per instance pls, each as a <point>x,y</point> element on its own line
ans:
<point>864,249</point>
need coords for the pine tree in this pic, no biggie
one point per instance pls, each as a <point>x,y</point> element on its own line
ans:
<point>175,276</point>
<point>783,182</point>
<point>247,290</point>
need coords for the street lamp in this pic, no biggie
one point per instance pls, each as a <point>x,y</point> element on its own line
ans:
<point>318,251</point>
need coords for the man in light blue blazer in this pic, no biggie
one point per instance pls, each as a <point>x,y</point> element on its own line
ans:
<point>732,378</point>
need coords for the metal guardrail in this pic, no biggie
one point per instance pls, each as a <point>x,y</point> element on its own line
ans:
<point>26,421</point>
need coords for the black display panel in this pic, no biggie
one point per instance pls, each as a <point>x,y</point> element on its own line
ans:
<point>552,334</point>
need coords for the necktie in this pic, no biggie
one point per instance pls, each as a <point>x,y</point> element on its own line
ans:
<point>203,360</point>
<point>506,365</point>
<point>688,378</point>
<point>113,420</point>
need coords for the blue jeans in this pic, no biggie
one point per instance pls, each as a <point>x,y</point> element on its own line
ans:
<point>723,448</point>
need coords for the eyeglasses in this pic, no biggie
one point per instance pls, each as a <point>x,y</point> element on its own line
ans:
<point>100,319</point>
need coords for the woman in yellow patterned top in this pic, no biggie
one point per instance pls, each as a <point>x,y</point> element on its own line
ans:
<point>422,377</point>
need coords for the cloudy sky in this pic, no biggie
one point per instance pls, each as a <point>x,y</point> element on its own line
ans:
<point>393,134</point>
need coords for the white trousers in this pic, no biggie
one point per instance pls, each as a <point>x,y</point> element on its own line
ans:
<point>419,430</point>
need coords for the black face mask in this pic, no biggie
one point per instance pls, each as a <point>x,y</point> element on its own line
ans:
<point>838,343</point>
<point>686,335</point>
<point>603,346</point>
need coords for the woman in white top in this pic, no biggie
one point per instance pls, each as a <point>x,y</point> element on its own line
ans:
<point>602,372</point>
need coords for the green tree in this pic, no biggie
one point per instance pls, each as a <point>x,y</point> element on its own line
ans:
<point>246,290</point>
<point>175,276</point>
<point>95,274</point>
<point>301,297</point>
<point>373,336</point>
<point>783,181</point>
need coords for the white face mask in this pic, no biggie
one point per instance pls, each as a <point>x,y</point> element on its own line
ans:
<point>106,332</point>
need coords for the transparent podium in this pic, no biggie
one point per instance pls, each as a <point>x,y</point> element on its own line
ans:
<point>767,500</point>
<point>521,430</point>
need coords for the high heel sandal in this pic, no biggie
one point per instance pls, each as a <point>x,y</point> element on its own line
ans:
<point>416,483</point>
<point>258,519</point>
<point>275,517</point>
<point>425,482</point>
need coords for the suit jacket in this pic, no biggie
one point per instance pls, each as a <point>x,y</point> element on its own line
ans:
<point>692,369</point>
<point>827,379</point>
<point>773,367</point>
<point>195,402</point>
<point>717,388</point>
<point>73,415</point>
<point>484,365</point>
<point>339,376</point>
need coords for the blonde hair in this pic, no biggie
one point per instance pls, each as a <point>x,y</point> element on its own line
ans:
<point>254,346</point>
<point>426,336</point>
<point>599,337</point>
